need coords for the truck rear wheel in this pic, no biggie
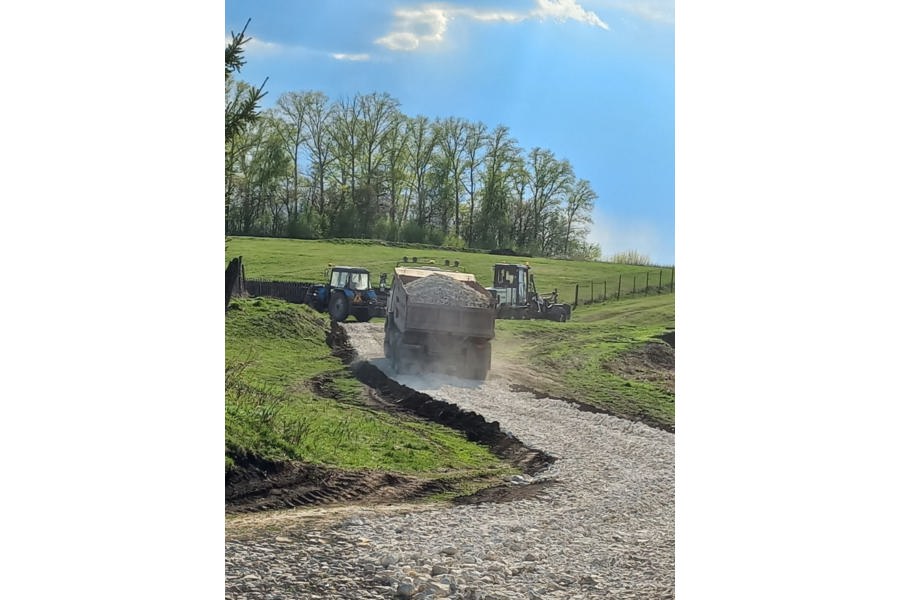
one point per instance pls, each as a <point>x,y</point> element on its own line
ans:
<point>392,347</point>
<point>400,359</point>
<point>479,362</point>
<point>339,306</point>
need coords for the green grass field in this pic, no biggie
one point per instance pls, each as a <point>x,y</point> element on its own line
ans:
<point>569,359</point>
<point>288,398</point>
<point>306,260</point>
<point>572,359</point>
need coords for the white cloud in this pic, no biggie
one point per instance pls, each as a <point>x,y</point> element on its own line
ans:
<point>662,11</point>
<point>484,15</point>
<point>565,10</point>
<point>399,41</point>
<point>352,57</point>
<point>258,47</point>
<point>416,27</point>
<point>619,235</point>
<point>413,27</point>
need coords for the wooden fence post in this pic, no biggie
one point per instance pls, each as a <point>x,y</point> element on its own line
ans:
<point>619,293</point>
<point>604,291</point>
<point>241,290</point>
<point>592,290</point>
<point>672,283</point>
<point>647,284</point>
<point>633,285</point>
<point>659,287</point>
<point>230,277</point>
<point>576,295</point>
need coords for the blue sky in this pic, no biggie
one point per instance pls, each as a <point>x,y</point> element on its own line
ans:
<point>591,80</point>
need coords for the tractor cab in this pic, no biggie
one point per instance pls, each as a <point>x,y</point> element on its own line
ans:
<point>516,295</point>
<point>511,284</point>
<point>353,278</point>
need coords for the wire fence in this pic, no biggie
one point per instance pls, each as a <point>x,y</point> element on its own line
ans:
<point>622,286</point>
<point>289,291</point>
<point>652,282</point>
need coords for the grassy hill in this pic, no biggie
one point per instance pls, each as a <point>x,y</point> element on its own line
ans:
<point>609,356</point>
<point>287,398</point>
<point>306,260</point>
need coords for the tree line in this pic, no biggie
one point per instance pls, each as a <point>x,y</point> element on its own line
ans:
<point>312,167</point>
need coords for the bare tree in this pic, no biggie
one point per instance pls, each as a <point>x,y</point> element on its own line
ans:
<point>550,179</point>
<point>500,153</point>
<point>451,138</point>
<point>475,137</point>
<point>291,113</point>
<point>318,140</point>
<point>421,148</point>
<point>579,204</point>
<point>377,116</point>
<point>346,131</point>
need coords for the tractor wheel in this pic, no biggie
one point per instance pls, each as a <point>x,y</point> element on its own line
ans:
<point>557,313</point>
<point>363,315</point>
<point>339,306</point>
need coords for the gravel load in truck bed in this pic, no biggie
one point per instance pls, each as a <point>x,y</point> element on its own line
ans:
<point>441,289</point>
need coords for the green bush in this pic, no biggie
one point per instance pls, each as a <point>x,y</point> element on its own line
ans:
<point>631,257</point>
<point>385,230</point>
<point>304,227</point>
<point>413,233</point>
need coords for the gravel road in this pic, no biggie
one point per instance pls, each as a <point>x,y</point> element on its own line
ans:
<point>605,529</point>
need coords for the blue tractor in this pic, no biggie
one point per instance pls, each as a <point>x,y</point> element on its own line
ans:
<point>348,292</point>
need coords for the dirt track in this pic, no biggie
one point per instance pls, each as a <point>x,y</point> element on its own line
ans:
<point>265,487</point>
<point>598,523</point>
<point>261,486</point>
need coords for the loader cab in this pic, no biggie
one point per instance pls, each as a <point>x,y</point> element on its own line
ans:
<point>351,278</point>
<point>511,284</point>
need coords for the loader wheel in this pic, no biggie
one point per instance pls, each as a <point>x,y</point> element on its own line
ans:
<point>363,315</point>
<point>339,306</point>
<point>557,313</point>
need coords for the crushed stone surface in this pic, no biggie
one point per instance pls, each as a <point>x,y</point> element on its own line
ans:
<point>605,529</point>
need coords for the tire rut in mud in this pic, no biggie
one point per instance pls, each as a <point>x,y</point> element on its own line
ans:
<point>267,486</point>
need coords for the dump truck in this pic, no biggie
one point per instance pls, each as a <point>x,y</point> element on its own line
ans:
<point>516,296</point>
<point>439,320</point>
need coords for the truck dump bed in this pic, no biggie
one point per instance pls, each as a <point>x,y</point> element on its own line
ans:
<point>439,321</point>
<point>436,307</point>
